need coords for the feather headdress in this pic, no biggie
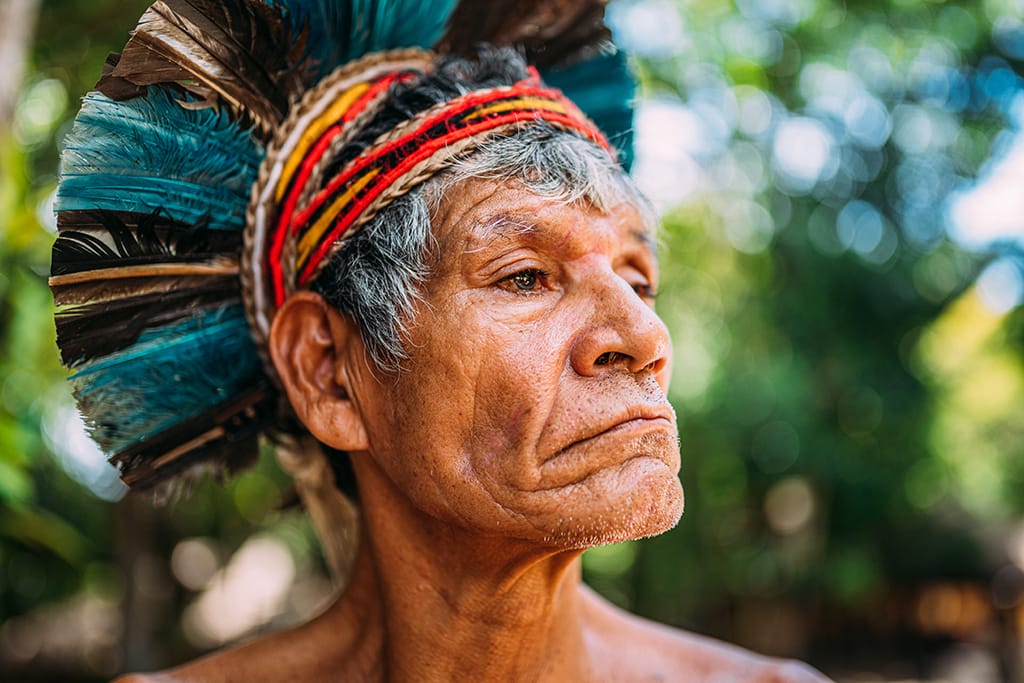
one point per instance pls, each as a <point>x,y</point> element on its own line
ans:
<point>182,213</point>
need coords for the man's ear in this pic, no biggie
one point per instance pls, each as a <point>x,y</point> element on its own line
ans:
<point>311,345</point>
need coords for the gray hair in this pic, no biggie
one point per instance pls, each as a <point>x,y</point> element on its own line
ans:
<point>377,277</point>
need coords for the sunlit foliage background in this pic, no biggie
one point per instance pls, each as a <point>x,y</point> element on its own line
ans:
<point>843,198</point>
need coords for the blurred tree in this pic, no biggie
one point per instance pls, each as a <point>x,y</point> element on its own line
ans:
<point>17,20</point>
<point>819,155</point>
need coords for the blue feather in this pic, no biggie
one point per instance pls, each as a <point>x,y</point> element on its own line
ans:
<point>151,153</point>
<point>604,89</point>
<point>170,375</point>
<point>343,30</point>
<point>409,23</point>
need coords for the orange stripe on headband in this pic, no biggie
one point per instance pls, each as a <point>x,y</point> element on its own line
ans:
<point>314,134</point>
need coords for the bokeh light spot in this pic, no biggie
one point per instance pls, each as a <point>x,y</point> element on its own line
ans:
<point>748,226</point>
<point>994,208</point>
<point>1001,285</point>
<point>803,153</point>
<point>789,506</point>
<point>756,110</point>
<point>242,596</point>
<point>65,434</point>
<point>868,122</point>
<point>1008,35</point>
<point>194,562</point>
<point>860,227</point>
<point>926,484</point>
<point>611,561</point>
<point>652,28</point>
<point>39,109</point>
<point>959,25</point>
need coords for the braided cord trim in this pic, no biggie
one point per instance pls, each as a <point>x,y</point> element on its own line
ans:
<point>315,144</point>
<point>264,206</point>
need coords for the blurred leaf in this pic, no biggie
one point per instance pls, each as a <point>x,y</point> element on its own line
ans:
<point>44,530</point>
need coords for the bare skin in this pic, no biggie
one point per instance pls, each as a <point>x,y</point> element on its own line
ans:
<point>529,424</point>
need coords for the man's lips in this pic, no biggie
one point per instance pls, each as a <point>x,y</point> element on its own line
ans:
<point>635,422</point>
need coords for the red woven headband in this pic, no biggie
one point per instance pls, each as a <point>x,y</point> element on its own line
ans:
<point>374,178</point>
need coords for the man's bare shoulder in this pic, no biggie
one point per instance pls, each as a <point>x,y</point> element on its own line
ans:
<point>238,664</point>
<point>660,652</point>
<point>297,654</point>
<point>259,660</point>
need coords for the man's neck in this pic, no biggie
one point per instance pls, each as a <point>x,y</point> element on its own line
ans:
<point>454,605</point>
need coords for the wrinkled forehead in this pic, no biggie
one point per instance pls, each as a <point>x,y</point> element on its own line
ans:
<point>471,208</point>
<point>476,214</point>
<point>536,167</point>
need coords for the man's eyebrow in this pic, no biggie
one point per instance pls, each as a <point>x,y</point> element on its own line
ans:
<point>646,238</point>
<point>499,228</point>
<point>505,227</point>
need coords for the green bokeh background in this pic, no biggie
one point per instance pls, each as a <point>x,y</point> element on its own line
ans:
<point>852,413</point>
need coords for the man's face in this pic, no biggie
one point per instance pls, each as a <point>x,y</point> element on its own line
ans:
<point>533,405</point>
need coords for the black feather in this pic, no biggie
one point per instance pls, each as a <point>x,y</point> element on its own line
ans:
<point>551,33</point>
<point>90,331</point>
<point>134,239</point>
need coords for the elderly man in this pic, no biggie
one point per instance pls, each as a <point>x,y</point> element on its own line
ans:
<point>513,414</point>
<point>453,280</point>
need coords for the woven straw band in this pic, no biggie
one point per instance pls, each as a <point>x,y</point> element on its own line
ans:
<point>295,226</point>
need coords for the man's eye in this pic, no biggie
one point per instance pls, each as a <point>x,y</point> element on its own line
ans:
<point>523,281</point>
<point>645,291</point>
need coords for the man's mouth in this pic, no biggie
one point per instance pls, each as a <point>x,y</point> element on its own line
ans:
<point>636,421</point>
<point>636,426</point>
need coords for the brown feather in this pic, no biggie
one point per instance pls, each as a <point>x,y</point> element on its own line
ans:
<point>235,51</point>
<point>550,32</point>
<point>228,431</point>
<point>114,87</point>
<point>108,290</point>
<point>216,267</point>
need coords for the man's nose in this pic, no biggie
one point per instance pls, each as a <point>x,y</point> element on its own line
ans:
<point>622,331</point>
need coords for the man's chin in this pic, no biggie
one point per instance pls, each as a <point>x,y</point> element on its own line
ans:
<point>650,505</point>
